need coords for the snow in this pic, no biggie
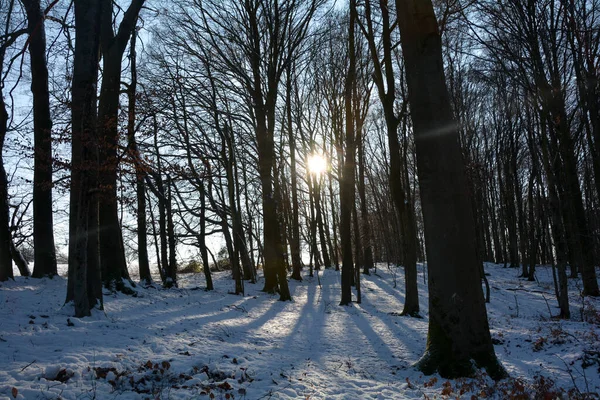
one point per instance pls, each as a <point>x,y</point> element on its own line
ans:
<point>188,343</point>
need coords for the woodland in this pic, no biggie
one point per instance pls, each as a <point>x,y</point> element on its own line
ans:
<point>431,161</point>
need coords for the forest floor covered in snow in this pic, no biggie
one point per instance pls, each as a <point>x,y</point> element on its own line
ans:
<point>187,343</point>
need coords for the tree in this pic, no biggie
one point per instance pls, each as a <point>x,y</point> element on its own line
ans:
<point>111,249</point>
<point>43,233</point>
<point>256,44</point>
<point>386,88</point>
<point>140,173</point>
<point>458,325</point>
<point>294,223</point>
<point>348,170</point>
<point>84,284</point>
<point>8,39</point>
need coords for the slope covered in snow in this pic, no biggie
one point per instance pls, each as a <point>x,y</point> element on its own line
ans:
<point>188,343</point>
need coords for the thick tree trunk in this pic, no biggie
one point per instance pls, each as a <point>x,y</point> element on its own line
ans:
<point>43,233</point>
<point>458,324</point>
<point>112,250</point>
<point>82,283</point>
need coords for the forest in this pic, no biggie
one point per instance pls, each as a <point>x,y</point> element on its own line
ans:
<point>324,199</point>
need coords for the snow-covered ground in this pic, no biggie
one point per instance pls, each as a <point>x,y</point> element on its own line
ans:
<point>187,343</point>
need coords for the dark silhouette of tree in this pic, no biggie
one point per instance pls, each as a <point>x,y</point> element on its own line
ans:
<point>458,324</point>
<point>43,233</point>
<point>7,40</point>
<point>113,45</point>
<point>84,284</point>
<point>348,171</point>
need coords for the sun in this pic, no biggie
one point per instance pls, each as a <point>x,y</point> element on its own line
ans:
<point>317,164</point>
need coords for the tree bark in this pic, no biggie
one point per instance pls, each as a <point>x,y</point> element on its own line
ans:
<point>43,233</point>
<point>295,224</point>
<point>348,169</point>
<point>388,100</point>
<point>112,251</point>
<point>81,282</point>
<point>458,324</point>
<point>140,173</point>
<point>6,269</point>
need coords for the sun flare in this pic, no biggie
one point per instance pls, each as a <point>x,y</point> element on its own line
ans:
<point>317,164</point>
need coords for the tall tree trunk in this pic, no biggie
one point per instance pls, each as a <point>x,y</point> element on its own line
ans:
<point>295,224</point>
<point>82,274</point>
<point>364,214</point>
<point>319,221</point>
<point>43,233</point>
<point>458,324</point>
<point>558,229</point>
<point>247,267</point>
<point>358,257</point>
<point>388,99</point>
<point>6,269</point>
<point>112,250</point>
<point>140,188</point>
<point>228,156</point>
<point>314,248</point>
<point>347,178</point>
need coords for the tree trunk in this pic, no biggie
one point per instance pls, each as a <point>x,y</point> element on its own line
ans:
<point>364,214</point>
<point>172,269</point>
<point>458,324</point>
<point>295,224</point>
<point>81,282</point>
<point>43,233</point>
<point>112,251</point>
<point>401,203</point>
<point>347,177</point>
<point>202,239</point>
<point>558,228</point>
<point>140,188</point>
<point>6,269</point>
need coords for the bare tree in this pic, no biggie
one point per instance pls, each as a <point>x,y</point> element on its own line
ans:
<point>43,233</point>
<point>84,284</point>
<point>458,325</point>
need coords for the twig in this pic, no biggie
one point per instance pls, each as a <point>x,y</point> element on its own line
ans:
<point>28,365</point>
<point>569,371</point>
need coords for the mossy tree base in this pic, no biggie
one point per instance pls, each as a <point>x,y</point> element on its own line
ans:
<point>450,367</point>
